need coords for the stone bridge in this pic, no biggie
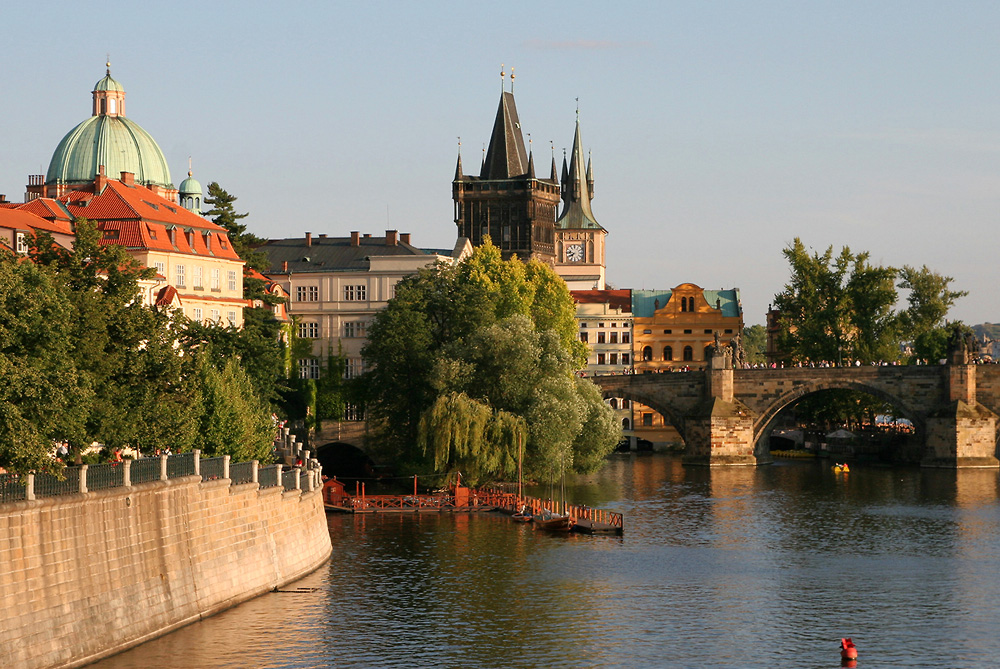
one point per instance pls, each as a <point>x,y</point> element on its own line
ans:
<point>723,414</point>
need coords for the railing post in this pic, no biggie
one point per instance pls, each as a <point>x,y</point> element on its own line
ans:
<point>298,478</point>
<point>163,467</point>
<point>277,473</point>
<point>29,491</point>
<point>254,468</point>
<point>83,478</point>
<point>197,462</point>
<point>225,466</point>
<point>127,473</point>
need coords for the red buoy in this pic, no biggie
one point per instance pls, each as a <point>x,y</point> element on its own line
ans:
<point>848,651</point>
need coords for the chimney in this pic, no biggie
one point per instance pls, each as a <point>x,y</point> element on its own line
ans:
<point>322,235</point>
<point>100,181</point>
<point>404,237</point>
<point>3,198</point>
<point>390,237</point>
<point>355,238</point>
<point>128,178</point>
<point>309,239</point>
<point>284,266</point>
<point>366,235</point>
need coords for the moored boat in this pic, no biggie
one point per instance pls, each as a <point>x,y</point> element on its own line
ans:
<point>554,522</point>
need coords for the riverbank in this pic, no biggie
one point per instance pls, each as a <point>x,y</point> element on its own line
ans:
<point>87,575</point>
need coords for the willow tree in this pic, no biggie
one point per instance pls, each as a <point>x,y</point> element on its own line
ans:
<point>461,348</point>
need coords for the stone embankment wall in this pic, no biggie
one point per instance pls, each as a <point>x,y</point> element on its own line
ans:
<point>86,576</point>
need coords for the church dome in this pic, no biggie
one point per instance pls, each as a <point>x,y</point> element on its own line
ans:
<point>110,139</point>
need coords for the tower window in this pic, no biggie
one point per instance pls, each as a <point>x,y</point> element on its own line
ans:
<point>111,106</point>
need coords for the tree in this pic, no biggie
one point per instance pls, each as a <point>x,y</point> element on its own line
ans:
<point>235,421</point>
<point>836,308</point>
<point>223,213</point>
<point>755,344</point>
<point>929,301</point>
<point>462,354</point>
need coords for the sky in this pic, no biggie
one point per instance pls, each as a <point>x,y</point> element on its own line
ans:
<point>719,131</point>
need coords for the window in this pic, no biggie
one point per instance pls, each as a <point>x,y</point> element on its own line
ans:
<point>688,354</point>
<point>708,352</point>
<point>354,368</point>
<point>668,332</point>
<point>647,353</point>
<point>231,280</point>
<point>215,283</point>
<point>668,353</point>
<point>647,332</point>
<point>729,331</point>
<point>612,358</point>
<point>613,403</point>
<point>687,332</point>
<point>307,293</point>
<point>308,368</point>
<point>197,282</point>
<point>231,317</point>
<point>625,358</point>
<point>625,423</point>
<point>353,412</point>
<point>197,314</point>
<point>647,420</point>
<point>600,337</point>
<point>625,404</point>
<point>708,331</point>
<point>111,106</point>
<point>600,325</point>
<point>308,330</point>
<point>355,293</point>
<point>583,325</point>
<point>584,338</point>
<point>600,358</point>
<point>614,337</point>
<point>216,316</point>
<point>179,270</point>
<point>626,338</point>
<point>161,268</point>
<point>354,329</point>
<point>22,243</point>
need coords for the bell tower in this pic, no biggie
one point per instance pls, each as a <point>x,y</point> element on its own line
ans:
<point>506,202</point>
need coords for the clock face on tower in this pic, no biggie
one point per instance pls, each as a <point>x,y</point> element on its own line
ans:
<point>574,252</point>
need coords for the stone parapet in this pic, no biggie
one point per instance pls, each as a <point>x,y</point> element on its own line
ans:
<point>87,575</point>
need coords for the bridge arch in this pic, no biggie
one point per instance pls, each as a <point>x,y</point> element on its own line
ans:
<point>344,460</point>
<point>669,413</point>
<point>767,416</point>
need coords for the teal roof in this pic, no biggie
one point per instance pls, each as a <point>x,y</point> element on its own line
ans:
<point>190,186</point>
<point>644,301</point>
<point>116,142</point>
<point>108,84</point>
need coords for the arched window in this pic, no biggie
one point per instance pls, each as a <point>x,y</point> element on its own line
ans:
<point>688,354</point>
<point>112,109</point>
<point>613,403</point>
<point>647,353</point>
<point>708,352</point>
<point>625,424</point>
<point>668,353</point>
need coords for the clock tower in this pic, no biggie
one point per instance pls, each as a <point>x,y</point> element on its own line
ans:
<point>579,237</point>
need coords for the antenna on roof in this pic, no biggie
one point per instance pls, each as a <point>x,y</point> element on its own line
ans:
<point>501,77</point>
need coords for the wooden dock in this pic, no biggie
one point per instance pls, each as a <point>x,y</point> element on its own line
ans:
<point>460,499</point>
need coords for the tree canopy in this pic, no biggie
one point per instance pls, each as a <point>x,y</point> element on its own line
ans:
<point>470,365</point>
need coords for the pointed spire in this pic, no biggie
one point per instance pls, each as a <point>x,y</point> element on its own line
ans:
<point>506,157</point>
<point>590,176</point>
<point>565,172</point>
<point>458,167</point>
<point>531,156</point>
<point>576,187</point>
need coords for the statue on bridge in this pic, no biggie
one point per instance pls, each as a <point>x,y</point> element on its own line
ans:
<point>737,352</point>
<point>962,345</point>
<point>725,351</point>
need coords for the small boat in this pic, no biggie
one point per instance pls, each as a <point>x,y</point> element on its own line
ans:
<point>553,522</point>
<point>848,651</point>
<point>522,516</point>
<point>841,467</point>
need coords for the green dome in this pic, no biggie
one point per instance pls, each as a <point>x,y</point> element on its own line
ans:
<point>117,143</point>
<point>108,84</point>
<point>190,186</point>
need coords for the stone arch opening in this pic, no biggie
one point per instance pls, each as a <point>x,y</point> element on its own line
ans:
<point>876,439</point>
<point>671,416</point>
<point>345,461</point>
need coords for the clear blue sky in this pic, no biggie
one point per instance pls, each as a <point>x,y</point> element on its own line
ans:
<point>719,130</point>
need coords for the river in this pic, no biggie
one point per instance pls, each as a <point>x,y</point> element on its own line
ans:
<point>728,567</point>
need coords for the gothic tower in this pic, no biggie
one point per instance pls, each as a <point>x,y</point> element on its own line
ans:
<point>506,202</point>
<point>579,237</point>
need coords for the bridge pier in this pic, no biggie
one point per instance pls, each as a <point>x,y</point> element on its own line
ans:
<point>719,431</point>
<point>962,434</point>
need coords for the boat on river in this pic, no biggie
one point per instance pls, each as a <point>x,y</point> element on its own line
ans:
<point>553,522</point>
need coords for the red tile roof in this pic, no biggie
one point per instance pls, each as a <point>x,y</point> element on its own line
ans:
<point>18,219</point>
<point>615,298</point>
<point>136,218</point>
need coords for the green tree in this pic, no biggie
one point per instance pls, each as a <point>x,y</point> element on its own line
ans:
<point>235,421</point>
<point>755,344</point>
<point>836,308</point>
<point>223,213</point>
<point>928,303</point>
<point>459,349</point>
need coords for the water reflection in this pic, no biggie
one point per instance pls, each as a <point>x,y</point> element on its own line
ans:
<point>721,567</point>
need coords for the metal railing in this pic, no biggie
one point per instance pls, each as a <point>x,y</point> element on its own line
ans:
<point>87,478</point>
<point>240,473</point>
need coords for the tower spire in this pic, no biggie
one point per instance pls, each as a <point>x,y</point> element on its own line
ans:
<point>458,168</point>
<point>577,184</point>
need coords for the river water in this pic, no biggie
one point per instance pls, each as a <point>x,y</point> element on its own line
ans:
<point>728,567</point>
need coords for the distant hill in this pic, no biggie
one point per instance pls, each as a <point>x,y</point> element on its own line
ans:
<point>991,330</point>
